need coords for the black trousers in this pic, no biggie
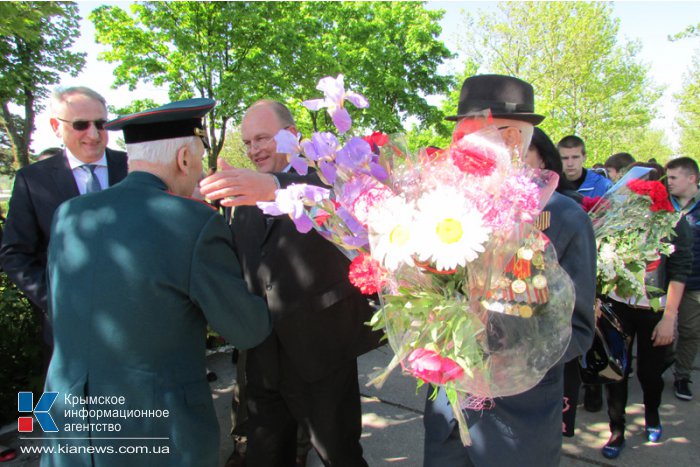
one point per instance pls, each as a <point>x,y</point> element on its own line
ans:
<point>572,383</point>
<point>279,400</point>
<point>651,361</point>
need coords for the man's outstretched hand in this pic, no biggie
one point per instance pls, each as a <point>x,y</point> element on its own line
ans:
<point>238,187</point>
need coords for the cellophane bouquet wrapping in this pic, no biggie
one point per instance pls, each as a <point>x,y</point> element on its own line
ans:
<point>472,296</point>
<point>633,226</point>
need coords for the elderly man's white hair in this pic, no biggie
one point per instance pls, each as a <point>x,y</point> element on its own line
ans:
<point>162,151</point>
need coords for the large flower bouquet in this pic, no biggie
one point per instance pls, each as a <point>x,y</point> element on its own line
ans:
<point>472,296</point>
<point>633,226</point>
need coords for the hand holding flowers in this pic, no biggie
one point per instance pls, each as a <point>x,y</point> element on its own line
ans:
<point>472,295</point>
<point>633,228</point>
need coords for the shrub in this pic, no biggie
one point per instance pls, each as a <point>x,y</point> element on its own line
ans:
<point>21,367</point>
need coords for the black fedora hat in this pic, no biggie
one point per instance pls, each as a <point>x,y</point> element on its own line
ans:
<point>505,96</point>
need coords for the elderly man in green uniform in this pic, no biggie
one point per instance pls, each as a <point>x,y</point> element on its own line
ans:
<point>135,273</point>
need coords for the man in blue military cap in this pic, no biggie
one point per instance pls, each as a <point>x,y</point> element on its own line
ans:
<point>135,273</point>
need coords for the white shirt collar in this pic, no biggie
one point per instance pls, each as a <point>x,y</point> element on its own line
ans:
<point>75,162</point>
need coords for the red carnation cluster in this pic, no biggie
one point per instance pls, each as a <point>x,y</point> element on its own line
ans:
<point>473,160</point>
<point>655,190</point>
<point>366,274</point>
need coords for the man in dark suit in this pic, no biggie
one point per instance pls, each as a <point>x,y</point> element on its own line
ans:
<point>135,273</point>
<point>78,115</point>
<point>306,371</point>
<point>524,429</point>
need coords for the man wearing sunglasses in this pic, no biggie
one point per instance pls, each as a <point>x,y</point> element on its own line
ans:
<point>78,115</point>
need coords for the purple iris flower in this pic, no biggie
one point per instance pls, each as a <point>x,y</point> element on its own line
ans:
<point>321,149</point>
<point>329,171</point>
<point>334,96</point>
<point>292,201</point>
<point>358,234</point>
<point>288,143</point>
<point>354,153</point>
<point>357,156</point>
<point>322,145</point>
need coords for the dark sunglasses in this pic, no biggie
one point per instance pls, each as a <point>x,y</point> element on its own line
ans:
<point>82,125</point>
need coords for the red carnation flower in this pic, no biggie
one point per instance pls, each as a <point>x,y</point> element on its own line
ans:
<point>655,190</point>
<point>589,203</point>
<point>378,138</point>
<point>366,274</point>
<point>662,205</point>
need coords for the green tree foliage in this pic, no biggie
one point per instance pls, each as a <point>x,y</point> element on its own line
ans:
<point>239,52</point>
<point>233,151</point>
<point>690,31</point>
<point>35,38</point>
<point>645,144</point>
<point>689,110</point>
<point>586,83</point>
<point>440,133</point>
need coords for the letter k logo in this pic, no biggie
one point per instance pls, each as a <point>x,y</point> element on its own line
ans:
<point>25,403</point>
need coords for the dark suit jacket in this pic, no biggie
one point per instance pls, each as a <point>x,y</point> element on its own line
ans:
<point>38,190</point>
<point>135,273</point>
<point>318,314</point>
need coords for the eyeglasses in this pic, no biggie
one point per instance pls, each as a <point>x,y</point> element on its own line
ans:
<point>82,125</point>
<point>261,141</point>
<point>258,142</point>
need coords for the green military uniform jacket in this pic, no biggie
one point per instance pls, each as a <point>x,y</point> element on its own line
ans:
<point>135,273</point>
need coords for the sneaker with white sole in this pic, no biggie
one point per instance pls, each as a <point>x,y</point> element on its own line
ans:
<point>682,389</point>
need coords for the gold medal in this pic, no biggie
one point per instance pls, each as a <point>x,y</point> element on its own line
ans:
<point>519,286</point>
<point>525,311</point>
<point>539,281</point>
<point>538,260</point>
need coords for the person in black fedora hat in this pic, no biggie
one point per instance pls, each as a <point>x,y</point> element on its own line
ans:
<point>505,96</point>
<point>135,273</point>
<point>525,429</point>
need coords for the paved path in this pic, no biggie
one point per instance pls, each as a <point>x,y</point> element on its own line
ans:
<point>393,425</point>
<point>393,429</point>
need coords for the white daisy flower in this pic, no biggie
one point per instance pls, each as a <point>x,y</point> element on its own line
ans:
<point>391,225</point>
<point>451,231</point>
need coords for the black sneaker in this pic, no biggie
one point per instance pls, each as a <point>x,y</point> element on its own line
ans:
<point>682,389</point>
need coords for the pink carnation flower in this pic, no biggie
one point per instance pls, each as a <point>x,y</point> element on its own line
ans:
<point>429,366</point>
